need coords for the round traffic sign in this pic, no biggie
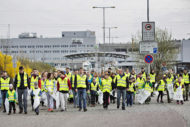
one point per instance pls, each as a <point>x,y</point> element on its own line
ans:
<point>148,27</point>
<point>148,59</point>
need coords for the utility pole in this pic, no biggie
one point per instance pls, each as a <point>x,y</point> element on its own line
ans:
<point>148,10</point>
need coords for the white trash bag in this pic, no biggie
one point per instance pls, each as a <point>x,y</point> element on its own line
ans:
<point>7,105</point>
<point>170,90</point>
<point>142,96</point>
<point>57,100</point>
<point>100,97</point>
<point>36,102</point>
<point>178,95</point>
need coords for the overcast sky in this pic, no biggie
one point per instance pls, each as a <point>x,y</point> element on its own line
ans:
<point>50,17</point>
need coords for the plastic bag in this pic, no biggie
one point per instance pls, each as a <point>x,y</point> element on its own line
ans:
<point>178,95</point>
<point>36,102</point>
<point>100,97</point>
<point>7,105</point>
<point>57,100</point>
<point>142,96</point>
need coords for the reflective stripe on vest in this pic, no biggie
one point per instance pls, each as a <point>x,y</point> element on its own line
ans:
<point>63,84</point>
<point>81,81</point>
<point>169,80</point>
<point>147,87</point>
<point>19,80</point>
<point>131,87</point>
<point>140,83</point>
<point>5,83</point>
<point>49,84</point>
<point>152,77</point>
<point>73,81</point>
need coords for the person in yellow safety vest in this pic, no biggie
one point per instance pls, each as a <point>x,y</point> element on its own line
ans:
<point>173,76</point>
<point>98,82</point>
<point>152,80</point>
<point>143,73</point>
<point>43,79</point>
<point>130,91</point>
<point>49,86</point>
<point>140,81</point>
<point>11,96</point>
<point>121,84</point>
<point>178,84</point>
<point>22,82</point>
<point>127,73</point>
<point>94,87</point>
<point>106,89</point>
<point>186,78</point>
<point>148,87</point>
<point>63,86</point>
<point>112,97</point>
<point>133,74</point>
<point>75,94</point>
<point>169,81</point>
<point>161,88</point>
<point>81,86</point>
<point>34,78</point>
<point>68,73</point>
<point>4,84</point>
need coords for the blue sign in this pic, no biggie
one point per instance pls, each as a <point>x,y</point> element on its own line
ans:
<point>155,50</point>
<point>148,59</point>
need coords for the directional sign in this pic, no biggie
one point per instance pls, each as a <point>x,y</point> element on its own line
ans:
<point>148,31</point>
<point>148,59</point>
<point>148,47</point>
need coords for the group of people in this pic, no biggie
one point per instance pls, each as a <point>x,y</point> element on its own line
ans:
<point>80,85</point>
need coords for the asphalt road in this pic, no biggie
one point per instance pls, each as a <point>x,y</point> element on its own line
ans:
<point>151,115</point>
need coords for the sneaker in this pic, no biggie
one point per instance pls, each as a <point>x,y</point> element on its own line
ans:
<point>182,102</point>
<point>37,113</point>
<point>21,111</point>
<point>62,110</point>
<point>80,109</point>
<point>9,113</point>
<point>25,112</point>
<point>14,111</point>
<point>48,109</point>
<point>85,110</point>
<point>51,110</point>
<point>4,111</point>
<point>123,108</point>
<point>117,107</point>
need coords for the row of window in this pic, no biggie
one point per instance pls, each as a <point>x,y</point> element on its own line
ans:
<point>45,46</point>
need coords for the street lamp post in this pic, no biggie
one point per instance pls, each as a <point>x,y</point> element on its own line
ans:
<point>104,24</point>
<point>110,28</point>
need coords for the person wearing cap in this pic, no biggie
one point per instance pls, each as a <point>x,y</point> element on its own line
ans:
<point>81,86</point>
<point>186,78</point>
<point>130,91</point>
<point>143,73</point>
<point>148,87</point>
<point>121,84</point>
<point>63,86</point>
<point>140,81</point>
<point>106,89</point>
<point>4,84</point>
<point>34,78</point>
<point>161,88</point>
<point>22,82</point>
<point>36,93</point>
<point>11,96</point>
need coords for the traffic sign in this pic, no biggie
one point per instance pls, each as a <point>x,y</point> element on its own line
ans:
<point>148,59</point>
<point>148,31</point>
<point>147,47</point>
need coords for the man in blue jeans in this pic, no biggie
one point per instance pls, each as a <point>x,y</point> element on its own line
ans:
<point>81,86</point>
<point>121,84</point>
<point>75,94</point>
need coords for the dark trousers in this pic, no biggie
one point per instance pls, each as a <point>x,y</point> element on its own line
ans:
<point>129,99</point>
<point>106,99</point>
<point>93,97</point>
<point>168,96</point>
<point>32,101</point>
<point>186,91</point>
<point>22,92</point>
<point>160,95</point>
<point>112,97</point>
<point>3,94</point>
<point>12,105</point>
<point>153,87</point>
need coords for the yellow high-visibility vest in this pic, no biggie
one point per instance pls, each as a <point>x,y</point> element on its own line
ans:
<point>5,83</point>
<point>121,82</point>
<point>33,81</point>
<point>147,87</point>
<point>11,96</point>
<point>106,85</point>
<point>131,87</point>
<point>140,83</point>
<point>186,78</point>
<point>69,75</point>
<point>94,86</point>
<point>42,85</point>
<point>144,75</point>
<point>63,84</point>
<point>169,80</point>
<point>161,87</point>
<point>49,84</point>
<point>19,80</point>
<point>81,81</point>
<point>152,77</point>
<point>73,81</point>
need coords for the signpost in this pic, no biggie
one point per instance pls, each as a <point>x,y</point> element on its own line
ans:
<point>148,59</point>
<point>148,47</point>
<point>148,31</point>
